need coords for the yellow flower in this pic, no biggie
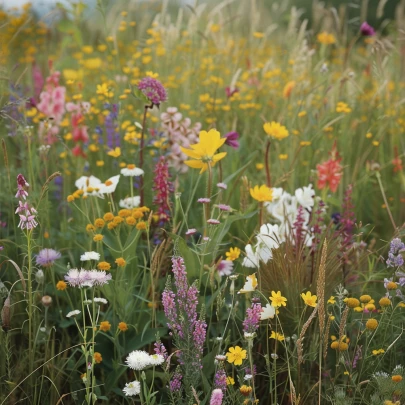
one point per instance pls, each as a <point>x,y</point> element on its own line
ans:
<point>115,152</point>
<point>245,390</point>
<point>122,326</point>
<point>259,166</point>
<point>352,302</point>
<point>105,326</point>
<point>365,298</point>
<point>236,355</point>
<point>102,89</point>
<point>275,130</point>
<point>120,262</point>
<point>98,237</point>
<point>309,299</point>
<point>98,358</point>
<point>385,302</point>
<point>378,352</point>
<point>276,336</point>
<point>262,193</point>
<point>277,300</point>
<point>372,324</point>
<point>204,151</point>
<point>326,38</point>
<point>61,285</point>
<point>230,381</point>
<point>396,378</point>
<point>104,266</point>
<point>233,254</point>
<point>332,300</point>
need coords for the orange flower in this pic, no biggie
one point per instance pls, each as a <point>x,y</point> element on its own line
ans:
<point>105,326</point>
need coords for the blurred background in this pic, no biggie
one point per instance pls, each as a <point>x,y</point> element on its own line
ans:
<point>376,10</point>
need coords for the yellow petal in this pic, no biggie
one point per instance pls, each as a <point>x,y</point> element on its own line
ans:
<point>191,153</point>
<point>195,164</point>
<point>218,156</point>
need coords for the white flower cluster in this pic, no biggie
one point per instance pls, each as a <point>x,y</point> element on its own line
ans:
<point>285,209</point>
<point>95,187</point>
<point>139,359</point>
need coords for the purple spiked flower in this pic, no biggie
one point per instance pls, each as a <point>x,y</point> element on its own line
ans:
<point>153,90</point>
<point>217,397</point>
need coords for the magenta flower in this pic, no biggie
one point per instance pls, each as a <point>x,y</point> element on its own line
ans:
<point>231,139</point>
<point>367,30</point>
<point>153,90</point>
<point>162,188</point>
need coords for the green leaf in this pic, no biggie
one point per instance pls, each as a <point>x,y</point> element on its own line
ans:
<point>222,230</point>
<point>191,260</point>
<point>133,237</point>
<point>140,96</point>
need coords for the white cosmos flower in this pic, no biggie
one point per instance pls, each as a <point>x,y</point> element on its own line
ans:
<point>90,185</point>
<point>130,202</point>
<point>305,196</point>
<point>250,285</point>
<point>251,259</point>
<point>267,312</point>
<point>90,256</point>
<point>132,388</point>
<point>131,171</point>
<point>109,186</point>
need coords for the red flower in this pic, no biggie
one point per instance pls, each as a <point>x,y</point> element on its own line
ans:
<point>330,172</point>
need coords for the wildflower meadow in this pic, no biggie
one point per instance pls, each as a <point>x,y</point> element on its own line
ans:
<point>202,203</point>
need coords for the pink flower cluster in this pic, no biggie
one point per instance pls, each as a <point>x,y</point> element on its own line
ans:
<point>79,131</point>
<point>87,278</point>
<point>179,132</point>
<point>153,90</point>
<point>52,105</point>
<point>26,212</point>
<point>162,187</point>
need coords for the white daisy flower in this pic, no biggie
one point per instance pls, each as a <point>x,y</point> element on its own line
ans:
<point>250,285</point>
<point>132,171</point>
<point>109,186</point>
<point>132,388</point>
<point>138,360</point>
<point>156,359</point>
<point>90,185</point>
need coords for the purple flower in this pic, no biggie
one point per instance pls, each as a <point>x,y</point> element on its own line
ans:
<point>252,320</point>
<point>220,379</point>
<point>231,139</point>
<point>46,257</point>
<point>204,200</point>
<point>367,30</point>
<point>395,258</point>
<point>213,221</point>
<point>153,90</point>
<point>21,184</point>
<point>224,207</point>
<point>175,382</point>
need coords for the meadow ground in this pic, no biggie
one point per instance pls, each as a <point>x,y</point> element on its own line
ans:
<point>202,204</point>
